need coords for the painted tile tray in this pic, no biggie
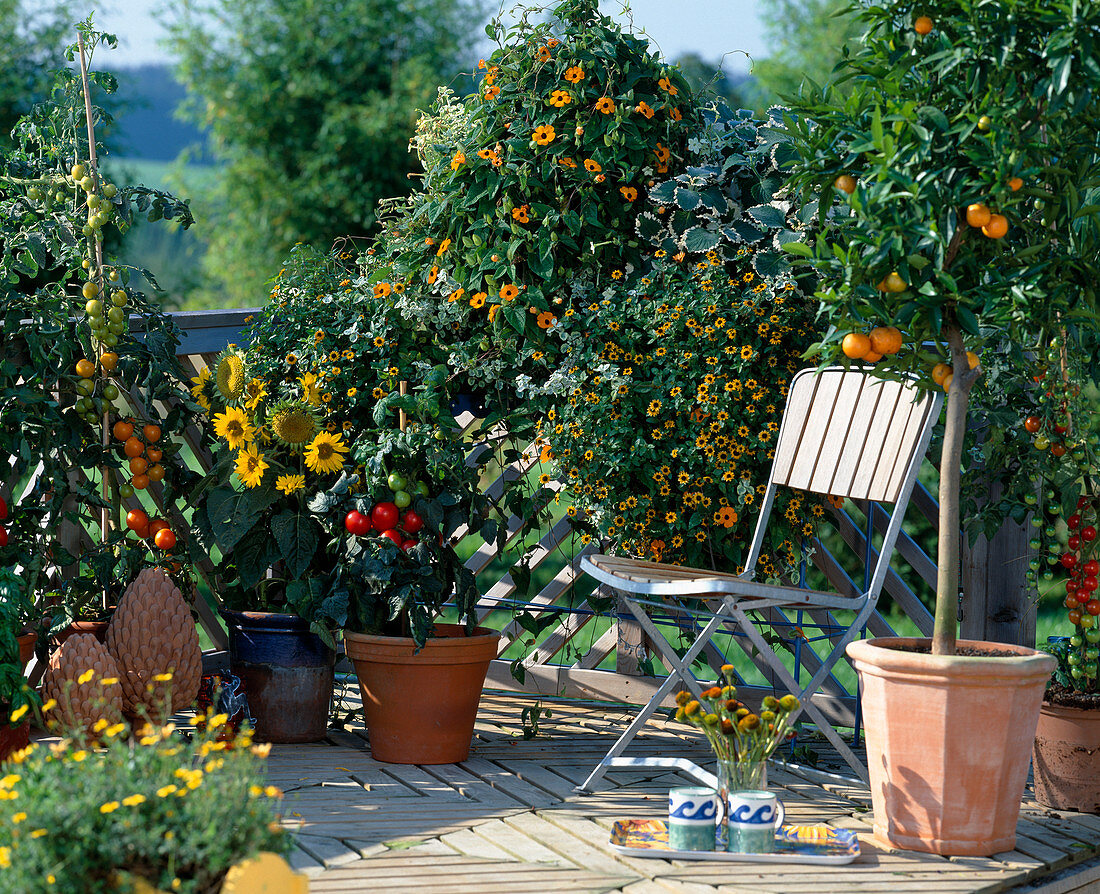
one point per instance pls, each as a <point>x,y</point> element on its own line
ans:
<point>793,844</point>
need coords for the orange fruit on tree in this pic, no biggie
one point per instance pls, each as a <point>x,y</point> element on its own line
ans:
<point>133,447</point>
<point>923,25</point>
<point>156,472</point>
<point>123,430</point>
<point>946,383</point>
<point>997,226</point>
<point>85,368</point>
<point>165,539</point>
<point>885,340</point>
<point>137,518</point>
<point>972,359</point>
<point>153,455</point>
<point>871,357</point>
<point>894,283</point>
<point>138,465</point>
<point>845,183</point>
<point>152,433</point>
<point>940,372</point>
<point>856,345</point>
<point>1015,183</point>
<point>977,215</point>
<point>140,482</point>
<point>108,360</point>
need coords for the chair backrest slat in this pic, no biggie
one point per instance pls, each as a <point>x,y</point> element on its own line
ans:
<point>848,434</point>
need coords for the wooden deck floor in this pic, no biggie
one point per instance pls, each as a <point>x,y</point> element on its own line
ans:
<point>508,821</point>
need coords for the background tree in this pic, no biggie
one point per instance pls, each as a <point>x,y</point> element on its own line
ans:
<point>34,36</point>
<point>310,107</point>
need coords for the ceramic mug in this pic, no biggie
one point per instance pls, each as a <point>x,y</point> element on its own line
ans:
<point>754,817</point>
<point>692,814</point>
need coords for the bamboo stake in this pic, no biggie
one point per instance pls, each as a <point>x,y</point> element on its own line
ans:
<point>402,420</point>
<point>105,422</point>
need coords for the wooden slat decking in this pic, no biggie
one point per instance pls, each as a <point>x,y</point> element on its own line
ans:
<point>508,821</point>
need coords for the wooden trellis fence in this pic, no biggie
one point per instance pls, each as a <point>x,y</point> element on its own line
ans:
<point>576,650</point>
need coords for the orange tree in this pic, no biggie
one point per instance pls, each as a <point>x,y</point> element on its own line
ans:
<point>962,176</point>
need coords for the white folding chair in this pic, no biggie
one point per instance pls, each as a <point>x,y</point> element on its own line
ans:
<point>844,433</point>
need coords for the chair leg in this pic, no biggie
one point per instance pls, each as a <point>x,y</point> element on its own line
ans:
<point>788,679</point>
<point>680,670</point>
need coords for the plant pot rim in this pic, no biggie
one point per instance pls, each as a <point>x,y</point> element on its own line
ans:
<point>259,619</point>
<point>893,655</point>
<point>450,633</point>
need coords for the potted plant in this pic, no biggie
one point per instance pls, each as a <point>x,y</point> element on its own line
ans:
<point>135,794</point>
<point>17,639</point>
<point>959,223</point>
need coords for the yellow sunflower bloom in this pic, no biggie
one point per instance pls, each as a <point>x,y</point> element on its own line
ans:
<point>289,484</point>
<point>309,388</point>
<point>234,427</point>
<point>251,465</point>
<point>325,453</point>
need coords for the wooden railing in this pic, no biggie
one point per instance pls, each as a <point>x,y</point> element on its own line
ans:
<point>571,649</point>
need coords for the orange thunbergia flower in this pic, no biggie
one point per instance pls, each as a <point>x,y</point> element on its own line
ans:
<point>560,98</point>
<point>544,135</point>
<point>508,292</point>
<point>481,64</point>
<point>629,193</point>
<point>485,153</point>
<point>676,114</point>
<point>478,299</point>
<point>432,275</point>
<point>592,166</point>
<point>605,104</point>
<point>574,74</point>
<point>663,153</point>
<point>492,93</point>
<point>643,108</point>
<point>600,178</point>
<point>443,246</point>
<point>545,320</point>
<point>666,85</point>
<point>520,214</point>
<point>552,42</point>
<point>382,289</point>
<point>543,55</point>
<point>567,163</point>
<point>458,161</point>
<point>456,295</point>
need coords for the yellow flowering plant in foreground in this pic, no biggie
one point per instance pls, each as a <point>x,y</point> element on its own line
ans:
<point>173,810</point>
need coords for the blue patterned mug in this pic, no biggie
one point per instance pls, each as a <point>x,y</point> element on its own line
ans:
<point>753,818</point>
<point>692,815</point>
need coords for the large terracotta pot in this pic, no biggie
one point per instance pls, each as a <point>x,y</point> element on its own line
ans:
<point>98,629</point>
<point>287,673</point>
<point>26,646</point>
<point>948,742</point>
<point>1066,760</point>
<point>421,706</point>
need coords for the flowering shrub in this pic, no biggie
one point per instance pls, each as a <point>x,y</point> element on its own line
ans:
<point>537,185</point>
<point>175,812</point>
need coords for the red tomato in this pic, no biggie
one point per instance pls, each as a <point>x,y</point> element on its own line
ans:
<point>1032,424</point>
<point>411,522</point>
<point>1088,533</point>
<point>1091,567</point>
<point>357,523</point>
<point>1089,585</point>
<point>165,539</point>
<point>394,535</point>
<point>1061,429</point>
<point>1068,560</point>
<point>1073,542</point>
<point>1093,607</point>
<point>136,519</point>
<point>3,508</point>
<point>1074,616</point>
<point>1074,522</point>
<point>1071,587</point>
<point>1082,502</point>
<point>409,544</point>
<point>384,516</point>
<point>3,536</point>
<point>1070,602</point>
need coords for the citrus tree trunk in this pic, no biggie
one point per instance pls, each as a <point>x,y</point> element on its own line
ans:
<point>947,577</point>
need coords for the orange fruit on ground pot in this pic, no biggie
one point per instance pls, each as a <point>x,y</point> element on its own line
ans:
<point>856,345</point>
<point>977,215</point>
<point>997,226</point>
<point>923,25</point>
<point>885,340</point>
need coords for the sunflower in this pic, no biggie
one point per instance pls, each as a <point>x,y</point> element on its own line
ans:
<point>229,375</point>
<point>324,454</point>
<point>255,391</point>
<point>309,388</point>
<point>234,426</point>
<point>251,465</point>
<point>198,388</point>
<point>288,484</point>
<point>294,423</point>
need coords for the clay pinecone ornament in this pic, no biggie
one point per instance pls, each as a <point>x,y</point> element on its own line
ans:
<point>152,634</point>
<point>80,705</point>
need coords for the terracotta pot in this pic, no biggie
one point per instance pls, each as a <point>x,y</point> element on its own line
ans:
<point>421,708</point>
<point>12,738</point>
<point>98,629</point>
<point>1066,758</point>
<point>287,673</point>
<point>948,742</point>
<point>26,646</point>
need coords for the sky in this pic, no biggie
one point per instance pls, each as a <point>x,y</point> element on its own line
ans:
<point>711,28</point>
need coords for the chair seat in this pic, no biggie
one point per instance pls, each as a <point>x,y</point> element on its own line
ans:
<point>658,579</point>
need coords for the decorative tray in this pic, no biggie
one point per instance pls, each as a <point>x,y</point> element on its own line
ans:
<point>793,844</point>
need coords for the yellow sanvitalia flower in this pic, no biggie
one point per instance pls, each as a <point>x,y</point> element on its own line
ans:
<point>251,465</point>
<point>234,427</point>
<point>325,453</point>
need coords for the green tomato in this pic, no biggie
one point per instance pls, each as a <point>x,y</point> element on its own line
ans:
<point>1092,653</point>
<point>402,499</point>
<point>110,340</point>
<point>116,328</point>
<point>125,491</point>
<point>397,481</point>
<point>110,190</point>
<point>1090,668</point>
<point>1076,641</point>
<point>1076,673</point>
<point>110,392</point>
<point>1074,659</point>
<point>94,308</point>
<point>116,315</point>
<point>422,489</point>
<point>85,387</point>
<point>1092,635</point>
